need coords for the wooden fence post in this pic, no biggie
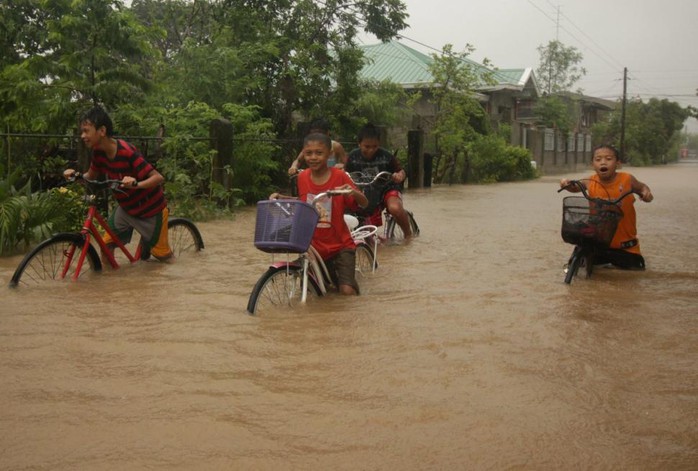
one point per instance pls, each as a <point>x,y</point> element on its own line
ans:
<point>221,133</point>
<point>415,158</point>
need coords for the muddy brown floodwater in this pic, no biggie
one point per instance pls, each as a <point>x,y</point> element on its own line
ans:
<point>466,351</point>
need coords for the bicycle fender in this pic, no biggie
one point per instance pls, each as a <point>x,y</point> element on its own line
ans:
<point>284,264</point>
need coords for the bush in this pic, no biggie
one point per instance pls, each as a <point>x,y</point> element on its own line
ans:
<point>492,160</point>
<point>27,217</point>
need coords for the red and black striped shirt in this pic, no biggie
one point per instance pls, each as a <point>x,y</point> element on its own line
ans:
<point>130,162</point>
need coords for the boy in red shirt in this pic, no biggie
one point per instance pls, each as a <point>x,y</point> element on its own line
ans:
<point>332,238</point>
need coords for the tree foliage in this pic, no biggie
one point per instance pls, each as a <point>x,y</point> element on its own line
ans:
<point>287,60</point>
<point>651,129</point>
<point>493,160</point>
<point>559,67</point>
<point>555,112</point>
<point>87,51</point>
<point>459,115</point>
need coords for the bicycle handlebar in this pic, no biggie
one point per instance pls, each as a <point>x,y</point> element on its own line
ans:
<point>583,189</point>
<point>330,193</point>
<point>97,185</point>
<point>360,178</point>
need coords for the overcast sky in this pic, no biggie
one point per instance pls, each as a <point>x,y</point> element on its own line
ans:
<point>657,40</point>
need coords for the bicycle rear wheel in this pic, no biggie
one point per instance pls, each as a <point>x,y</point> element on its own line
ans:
<point>395,232</point>
<point>184,237</point>
<point>279,287</point>
<point>48,261</point>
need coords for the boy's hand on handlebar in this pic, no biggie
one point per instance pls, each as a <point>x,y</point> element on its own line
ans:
<point>128,182</point>
<point>573,186</point>
<point>71,174</point>
<point>399,177</point>
<point>646,195</point>
<point>344,189</point>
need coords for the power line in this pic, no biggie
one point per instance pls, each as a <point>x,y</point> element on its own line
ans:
<point>581,43</point>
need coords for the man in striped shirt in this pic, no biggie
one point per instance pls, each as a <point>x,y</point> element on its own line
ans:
<point>142,205</point>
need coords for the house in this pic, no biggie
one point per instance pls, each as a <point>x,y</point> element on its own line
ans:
<point>509,101</point>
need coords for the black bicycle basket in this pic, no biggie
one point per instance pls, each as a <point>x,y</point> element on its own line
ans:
<point>586,220</point>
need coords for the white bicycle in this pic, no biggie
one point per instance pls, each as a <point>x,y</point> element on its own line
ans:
<point>285,228</point>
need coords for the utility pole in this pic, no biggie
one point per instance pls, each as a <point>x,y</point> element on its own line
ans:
<point>622,114</point>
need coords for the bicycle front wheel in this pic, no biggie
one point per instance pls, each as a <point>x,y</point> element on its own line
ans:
<point>279,287</point>
<point>55,259</point>
<point>395,232</point>
<point>184,237</point>
<point>365,259</point>
<point>574,263</point>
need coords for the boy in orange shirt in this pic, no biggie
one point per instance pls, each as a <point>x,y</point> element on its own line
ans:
<point>608,183</point>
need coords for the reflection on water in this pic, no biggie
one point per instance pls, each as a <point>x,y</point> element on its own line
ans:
<point>467,350</point>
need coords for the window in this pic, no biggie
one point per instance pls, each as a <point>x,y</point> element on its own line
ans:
<point>524,109</point>
<point>549,142</point>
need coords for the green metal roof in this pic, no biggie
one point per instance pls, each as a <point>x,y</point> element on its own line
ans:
<point>397,63</point>
<point>514,76</point>
<point>408,67</point>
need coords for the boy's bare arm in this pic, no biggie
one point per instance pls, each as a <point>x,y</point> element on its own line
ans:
<point>359,197</point>
<point>339,152</point>
<point>643,190</point>
<point>296,163</point>
<point>279,196</point>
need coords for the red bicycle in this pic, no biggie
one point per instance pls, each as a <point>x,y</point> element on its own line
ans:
<point>71,255</point>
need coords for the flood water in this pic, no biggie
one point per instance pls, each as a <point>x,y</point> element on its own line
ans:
<point>465,351</point>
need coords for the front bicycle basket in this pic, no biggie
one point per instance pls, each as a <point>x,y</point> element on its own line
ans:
<point>589,220</point>
<point>284,226</point>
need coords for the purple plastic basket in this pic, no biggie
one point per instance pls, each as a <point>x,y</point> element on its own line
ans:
<point>284,226</point>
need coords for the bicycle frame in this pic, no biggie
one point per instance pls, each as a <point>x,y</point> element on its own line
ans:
<point>311,264</point>
<point>90,230</point>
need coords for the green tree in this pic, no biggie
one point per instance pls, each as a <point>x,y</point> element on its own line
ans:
<point>381,102</point>
<point>552,111</point>
<point>459,116</point>
<point>310,58</point>
<point>651,129</point>
<point>559,67</point>
<point>88,51</point>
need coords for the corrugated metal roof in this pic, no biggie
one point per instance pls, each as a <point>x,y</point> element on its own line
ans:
<point>515,76</point>
<point>397,63</point>
<point>408,67</point>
